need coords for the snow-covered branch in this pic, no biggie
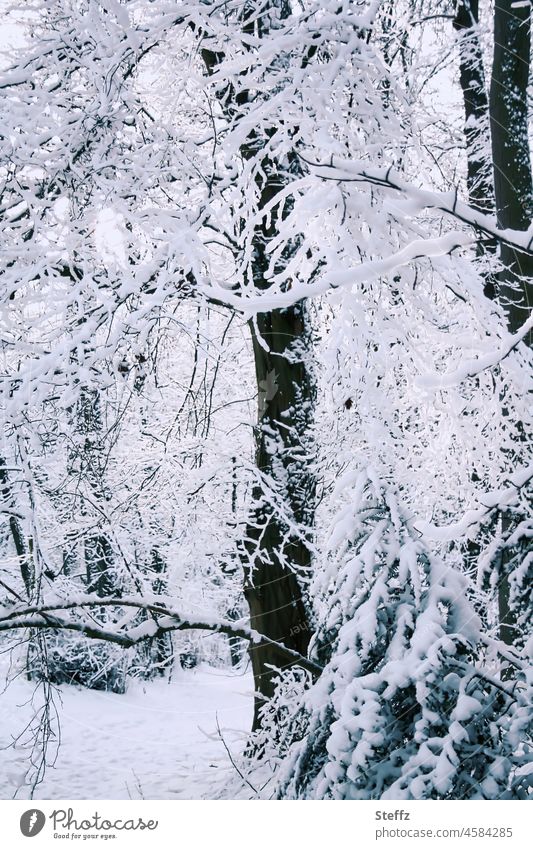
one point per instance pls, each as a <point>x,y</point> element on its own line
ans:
<point>498,499</point>
<point>473,367</point>
<point>252,304</point>
<point>346,170</point>
<point>162,621</point>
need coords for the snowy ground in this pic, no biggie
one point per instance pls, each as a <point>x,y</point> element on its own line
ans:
<point>158,741</point>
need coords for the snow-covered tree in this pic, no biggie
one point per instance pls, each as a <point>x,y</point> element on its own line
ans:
<point>409,705</point>
<point>245,253</point>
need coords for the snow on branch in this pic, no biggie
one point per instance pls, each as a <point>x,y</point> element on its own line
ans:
<point>491,501</point>
<point>162,620</point>
<point>345,170</point>
<point>272,299</point>
<point>417,199</point>
<point>475,366</point>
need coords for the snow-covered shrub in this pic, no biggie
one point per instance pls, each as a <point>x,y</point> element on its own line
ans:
<point>71,659</point>
<point>406,707</point>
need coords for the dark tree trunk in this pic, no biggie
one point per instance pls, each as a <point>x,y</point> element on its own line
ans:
<point>277,534</point>
<point>98,553</point>
<point>276,553</point>
<point>479,177</point>
<point>277,538</point>
<point>510,152</point>
<point>514,207</point>
<point>23,550</point>
<point>476,106</point>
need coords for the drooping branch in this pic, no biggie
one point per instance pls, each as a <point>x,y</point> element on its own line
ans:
<point>163,621</point>
<point>469,368</point>
<point>250,305</point>
<point>492,501</point>
<point>342,170</point>
<point>450,203</point>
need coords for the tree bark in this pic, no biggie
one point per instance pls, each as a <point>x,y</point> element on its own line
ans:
<point>510,153</point>
<point>477,124</point>
<point>276,551</point>
<point>476,106</point>
<point>276,540</point>
<point>513,190</point>
<point>17,533</point>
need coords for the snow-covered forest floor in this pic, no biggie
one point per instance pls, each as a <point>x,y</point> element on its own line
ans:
<point>157,741</point>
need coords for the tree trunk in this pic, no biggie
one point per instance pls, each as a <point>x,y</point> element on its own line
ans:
<point>513,190</point>
<point>477,124</point>
<point>97,553</point>
<point>479,178</point>
<point>510,152</point>
<point>277,539</point>
<point>277,534</point>
<point>276,553</point>
<point>17,534</point>
<point>476,106</point>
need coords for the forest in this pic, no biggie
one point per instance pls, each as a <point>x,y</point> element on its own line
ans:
<point>266,287</point>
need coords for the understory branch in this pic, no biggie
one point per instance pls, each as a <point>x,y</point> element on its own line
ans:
<point>44,616</point>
